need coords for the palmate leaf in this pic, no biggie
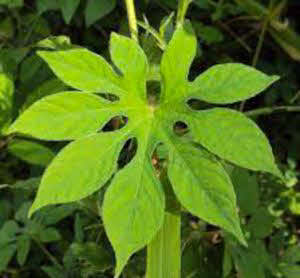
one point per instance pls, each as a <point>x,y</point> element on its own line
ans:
<point>135,193</point>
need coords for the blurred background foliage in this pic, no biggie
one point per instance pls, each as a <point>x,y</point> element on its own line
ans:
<point>69,241</point>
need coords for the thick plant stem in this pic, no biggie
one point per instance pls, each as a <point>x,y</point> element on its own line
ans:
<point>163,253</point>
<point>132,19</point>
<point>182,9</point>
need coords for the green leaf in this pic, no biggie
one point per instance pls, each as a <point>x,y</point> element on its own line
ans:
<point>261,224</point>
<point>247,191</point>
<point>292,254</point>
<point>250,262</point>
<point>290,271</point>
<point>46,5</point>
<point>47,88</point>
<point>134,196</point>
<point>79,170</point>
<point>8,232</point>
<point>31,152</point>
<point>12,3</point>
<point>23,247</point>
<point>6,254</point>
<point>6,98</point>
<point>176,62</point>
<point>52,215</point>
<point>83,70</point>
<point>203,187</point>
<point>94,254</point>
<point>54,271</point>
<point>233,137</point>
<point>49,235</point>
<point>56,43</point>
<point>228,83</point>
<point>68,8</point>
<point>135,68</point>
<point>66,116</point>
<point>134,193</point>
<point>95,10</point>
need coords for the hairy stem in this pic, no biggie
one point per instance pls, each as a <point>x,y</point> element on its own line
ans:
<point>182,9</point>
<point>132,19</point>
<point>163,253</point>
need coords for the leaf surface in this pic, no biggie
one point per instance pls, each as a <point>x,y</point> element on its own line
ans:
<point>176,62</point>
<point>229,83</point>
<point>80,169</point>
<point>66,116</point>
<point>83,70</point>
<point>95,10</point>
<point>232,136</point>
<point>203,187</point>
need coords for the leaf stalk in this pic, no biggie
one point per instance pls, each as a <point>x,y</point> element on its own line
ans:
<point>182,9</point>
<point>132,21</point>
<point>164,253</point>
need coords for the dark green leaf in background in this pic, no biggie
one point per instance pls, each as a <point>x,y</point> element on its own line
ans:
<point>96,9</point>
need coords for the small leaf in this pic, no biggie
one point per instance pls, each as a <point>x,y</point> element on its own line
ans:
<point>95,10</point>
<point>247,191</point>
<point>176,62</point>
<point>49,235</point>
<point>6,254</point>
<point>83,70</point>
<point>12,3</point>
<point>233,137</point>
<point>31,152</point>
<point>23,247</point>
<point>6,98</point>
<point>55,271</point>
<point>80,169</point>
<point>228,83</point>
<point>261,223</point>
<point>65,116</point>
<point>292,255</point>
<point>131,60</point>
<point>52,215</point>
<point>203,187</point>
<point>46,5</point>
<point>93,254</point>
<point>56,43</point>
<point>68,8</point>
<point>134,196</point>
<point>47,88</point>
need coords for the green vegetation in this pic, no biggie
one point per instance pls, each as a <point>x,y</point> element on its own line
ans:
<point>127,129</point>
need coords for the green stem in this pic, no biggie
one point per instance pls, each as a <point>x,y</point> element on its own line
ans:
<point>132,19</point>
<point>163,253</point>
<point>270,110</point>
<point>182,9</point>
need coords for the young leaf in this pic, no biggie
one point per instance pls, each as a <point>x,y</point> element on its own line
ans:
<point>79,170</point>
<point>247,190</point>
<point>136,69</point>
<point>49,87</point>
<point>228,83</point>
<point>68,8</point>
<point>66,116</point>
<point>6,98</point>
<point>31,152</point>
<point>23,248</point>
<point>83,70</point>
<point>6,254</point>
<point>95,10</point>
<point>176,62</point>
<point>233,137</point>
<point>203,187</point>
<point>134,195</point>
